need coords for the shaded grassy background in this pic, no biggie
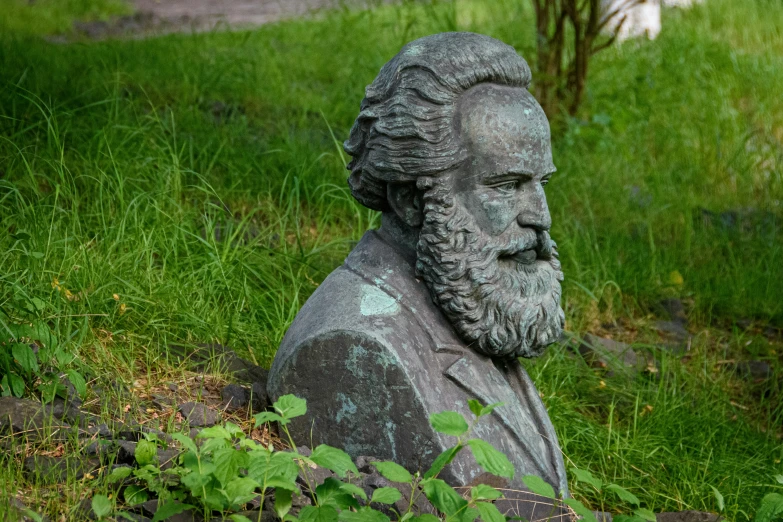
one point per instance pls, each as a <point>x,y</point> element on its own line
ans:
<point>200,179</point>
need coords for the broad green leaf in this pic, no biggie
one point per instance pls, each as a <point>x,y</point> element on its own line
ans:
<point>466,515</point>
<point>582,475</point>
<point>491,459</point>
<point>475,407</point>
<point>25,357</point>
<point>118,474</point>
<point>718,498</point>
<point>283,502</point>
<point>101,505</point>
<point>624,494</point>
<point>443,496</point>
<point>450,423</point>
<point>393,471</point>
<point>489,513</point>
<point>484,492</point>
<point>234,430</point>
<point>318,514</point>
<point>645,513</point>
<point>214,432</point>
<point>290,406</point>
<point>489,408</point>
<point>16,384</point>
<point>443,460</point>
<point>146,452</point>
<point>538,486</point>
<point>268,416</point>
<point>195,481</point>
<point>266,467</point>
<point>364,514</point>
<point>78,382</point>
<point>227,463</point>
<point>386,495</point>
<point>169,509</point>
<point>770,509</point>
<point>186,442</point>
<point>240,490</point>
<point>580,509</point>
<point>334,459</point>
<point>135,495</point>
<point>330,493</point>
<point>239,518</point>
<point>353,489</point>
<point>779,479</point>
<point>425,518</point>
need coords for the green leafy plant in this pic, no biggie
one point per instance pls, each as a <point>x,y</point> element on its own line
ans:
<point>223,470</point>
<point>31,357</point>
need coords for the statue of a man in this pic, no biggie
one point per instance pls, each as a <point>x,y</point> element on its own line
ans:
<point>435,307</point>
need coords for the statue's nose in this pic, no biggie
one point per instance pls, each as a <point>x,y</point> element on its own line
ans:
<point>534,211</point>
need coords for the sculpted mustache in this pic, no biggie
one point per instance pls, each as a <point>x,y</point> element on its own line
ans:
<point>529,239</point>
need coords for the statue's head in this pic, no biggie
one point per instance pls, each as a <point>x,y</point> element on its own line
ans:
<point>450,143</point>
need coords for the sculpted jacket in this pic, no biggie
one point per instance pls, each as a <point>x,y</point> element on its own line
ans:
<point>375,357</point>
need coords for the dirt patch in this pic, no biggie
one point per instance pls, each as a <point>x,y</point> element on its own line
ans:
<point>155,17</point>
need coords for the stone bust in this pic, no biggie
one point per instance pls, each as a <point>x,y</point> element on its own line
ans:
<point>435,307</point>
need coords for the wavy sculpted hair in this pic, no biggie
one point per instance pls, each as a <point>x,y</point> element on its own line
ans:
<point>405,127</point>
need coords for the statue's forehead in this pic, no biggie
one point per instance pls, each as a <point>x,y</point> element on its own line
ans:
<point>505,127</point>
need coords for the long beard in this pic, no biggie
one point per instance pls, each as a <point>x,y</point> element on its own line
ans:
<point>498,306</point>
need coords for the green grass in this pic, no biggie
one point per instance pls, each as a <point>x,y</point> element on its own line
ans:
<point>200,178</point>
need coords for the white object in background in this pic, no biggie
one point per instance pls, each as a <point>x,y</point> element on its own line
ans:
<point>681,3</point>
<point>641,19</point>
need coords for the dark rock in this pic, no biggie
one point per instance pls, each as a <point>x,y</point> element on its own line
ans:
<point>687,516</point>
<point>602,516</point>
<point>490,480</point>
<point>235,397</point>
<point>167,458</point>
<point>126,452</point>
<point>259,399</point>
<point>199,415</point>
<point>674,330</point>
<point>162,402</point>
<point>101,430</point>
<point>315,476</point>
<point>675,310</point>
<point>364,464</point>
<point>22,513</point>
<point>25,416</point>
<point>100,448</point>
<point>755,370</point>
<point>57,469</point>
<point>608,353</point>
<point>222,358</point>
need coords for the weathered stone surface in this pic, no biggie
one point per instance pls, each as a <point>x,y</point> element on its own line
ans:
<point>199,415</point>
<point>23,416</point>
<point>19,511</point>
<point>755,370</point>
<point>687,516</point>
<point>58,469</point>
<point>675,309</point>
<point>673,330</point>
<point>222,358</point>
<point>235,397</point>
<point>608,353</point>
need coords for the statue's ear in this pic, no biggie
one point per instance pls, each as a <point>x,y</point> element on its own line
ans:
<point>406,201</point>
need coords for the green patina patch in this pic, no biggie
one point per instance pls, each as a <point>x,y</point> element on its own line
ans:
<point>377,302</point>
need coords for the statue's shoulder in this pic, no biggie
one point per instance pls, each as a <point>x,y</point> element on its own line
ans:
<point>359,302</point>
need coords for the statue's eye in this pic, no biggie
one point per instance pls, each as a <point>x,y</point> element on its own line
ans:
<point>508,187</point>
